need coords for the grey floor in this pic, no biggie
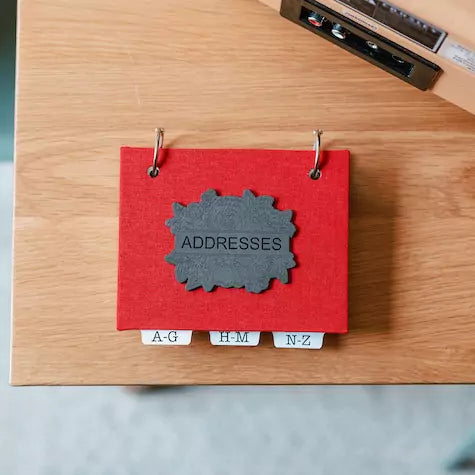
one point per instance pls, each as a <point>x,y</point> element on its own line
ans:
<point>221,430</point>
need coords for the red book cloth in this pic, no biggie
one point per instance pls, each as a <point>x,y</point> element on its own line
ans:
<point>316,297</point>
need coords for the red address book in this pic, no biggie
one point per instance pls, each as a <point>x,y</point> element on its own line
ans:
<point>150,293</point>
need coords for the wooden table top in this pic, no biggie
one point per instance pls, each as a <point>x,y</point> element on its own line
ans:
<point>93,76</point>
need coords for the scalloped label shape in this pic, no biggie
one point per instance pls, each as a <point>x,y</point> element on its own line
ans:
<point>231,242</point>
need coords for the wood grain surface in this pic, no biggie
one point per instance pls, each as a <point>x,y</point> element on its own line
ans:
<point>93,76</point>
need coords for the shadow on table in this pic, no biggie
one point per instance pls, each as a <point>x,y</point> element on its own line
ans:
<point>373,194</point>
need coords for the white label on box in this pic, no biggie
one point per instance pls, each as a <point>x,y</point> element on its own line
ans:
<point>458,54</point>
<point>359,19</point>
<point>166,337</point>
<point>234,338</point>
<point>303,340</point>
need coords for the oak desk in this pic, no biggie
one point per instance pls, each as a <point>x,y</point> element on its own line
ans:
<point>93,76</point>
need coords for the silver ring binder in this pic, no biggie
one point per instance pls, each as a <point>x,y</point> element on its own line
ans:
<point>315,173</point>
<point>154,170</point>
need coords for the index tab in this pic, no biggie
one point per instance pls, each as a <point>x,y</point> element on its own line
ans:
<point>166,337</point>
<point>304,340</point>
<point>234,338</point>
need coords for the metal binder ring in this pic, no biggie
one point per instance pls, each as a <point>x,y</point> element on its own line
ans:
<point>315,173</point>
<point>154,170</point>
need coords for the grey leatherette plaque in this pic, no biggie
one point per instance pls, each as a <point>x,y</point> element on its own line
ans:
<point>231,241</point>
